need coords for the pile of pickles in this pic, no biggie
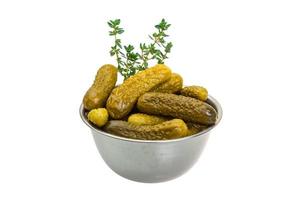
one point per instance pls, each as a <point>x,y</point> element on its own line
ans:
<point>150,105</point>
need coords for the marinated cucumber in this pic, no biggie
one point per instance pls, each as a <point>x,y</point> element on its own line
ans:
<point>172,129</point>
<point>194,128</point>
<point>123,98</point>
<point>197,92</point>
<point>98,116</point>
<point>173,85</point>
<point>177,106</point>
<point>104,83</point>
<point>144,119</point>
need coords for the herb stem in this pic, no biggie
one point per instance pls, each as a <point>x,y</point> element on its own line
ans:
<point>134,62</point>
<point>117,54</point>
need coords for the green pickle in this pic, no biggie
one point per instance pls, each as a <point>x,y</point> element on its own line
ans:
<point>194,128</point>
<point>173,85</point>
<point>177,106</point>
<point>172,129</point>
<point>197,92</point>
<point>104,83</point>
<point>123,98</point>
<point>144,119</point>
<point>98,116</point>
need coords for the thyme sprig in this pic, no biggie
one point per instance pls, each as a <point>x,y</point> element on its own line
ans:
<point>160,48</point>
<point>131,62</point>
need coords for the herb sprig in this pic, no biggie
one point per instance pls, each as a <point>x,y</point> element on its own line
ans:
<point>162,47</point>
<point>130,62</point>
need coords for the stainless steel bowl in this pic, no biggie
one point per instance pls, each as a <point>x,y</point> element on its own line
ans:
<point>151,160</point>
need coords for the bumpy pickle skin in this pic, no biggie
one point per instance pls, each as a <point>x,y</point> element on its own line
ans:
<point>98,116</point>
<point>123,98</point>
<point>194,91</point>
<point>144,119</point>
<point>173,85</point>
<point>172,129</point>
<point>194,128</point>
<point>104,83</point>
<point>177,106</point>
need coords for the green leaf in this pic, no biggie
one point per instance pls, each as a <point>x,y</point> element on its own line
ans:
<point>110,24</point>
<point>111,33</point>
<point>159,61</point>
<point>117,22</point>
<point>112,53</point>
<point>118,43</point>
<point>120,30</point>
<point>168,47</point>
<point>129,48</point>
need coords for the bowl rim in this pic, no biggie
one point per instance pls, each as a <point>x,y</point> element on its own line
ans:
<point>212,101</point>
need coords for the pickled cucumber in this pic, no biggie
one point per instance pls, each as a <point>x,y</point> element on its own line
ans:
<point>197,92</point>
<point>98,116</point>
<point>173,85</point>
<point>172,129</point>
<point>104,82</point>
<point>194,128</point>
<point>177,106</point>
<point>144,119</point>
<point>123,98</point>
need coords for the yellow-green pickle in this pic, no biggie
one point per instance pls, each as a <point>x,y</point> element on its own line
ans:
<point>194,128</point>
<point>177,106</point>
<point>197,92</point>
<point>123,98</point>
<point>144,119</point>
<point>98,116</point>
<point>98,93</point>
<point>173,85</point>
<point>141,119</point>
<point>172,129</point>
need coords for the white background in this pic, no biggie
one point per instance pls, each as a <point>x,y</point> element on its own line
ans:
<point>245,52</point>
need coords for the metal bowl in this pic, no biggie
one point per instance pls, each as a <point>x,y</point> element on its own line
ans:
<point>151,160</point>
